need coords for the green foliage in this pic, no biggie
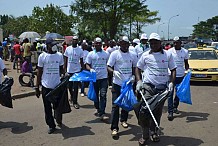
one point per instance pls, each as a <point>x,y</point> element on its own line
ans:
<point>206,29</point>
<point>109,19</point>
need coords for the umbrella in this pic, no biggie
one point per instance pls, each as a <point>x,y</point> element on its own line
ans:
<point>29,34</point>
<point>53,35</point>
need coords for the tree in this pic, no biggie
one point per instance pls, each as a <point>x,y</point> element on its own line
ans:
<point>51,18</point>
<point>110,18</point>
<point>206,29</point>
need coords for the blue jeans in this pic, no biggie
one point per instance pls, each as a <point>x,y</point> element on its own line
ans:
<point>115,109</point>
<point>101,86</point>
<point>174,104</point>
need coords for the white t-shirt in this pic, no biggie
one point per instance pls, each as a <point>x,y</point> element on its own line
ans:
<point>98,62</point>
<point>73,55</point>
<point>2,66</point>
<point>51,68</point>
<point>85,53</point>
<point>110,50</point>
<point>155,66</point>
<point>123,63</point>
<point>140,49</point>
<point>179,56</point>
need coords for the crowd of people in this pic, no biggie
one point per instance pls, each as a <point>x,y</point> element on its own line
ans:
<point>154,69</point>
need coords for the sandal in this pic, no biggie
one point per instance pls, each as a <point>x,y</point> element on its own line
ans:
<point>142,141</point>
<point>155,138</point>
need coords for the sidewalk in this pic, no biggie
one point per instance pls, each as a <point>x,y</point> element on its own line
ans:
<point>17,90</point>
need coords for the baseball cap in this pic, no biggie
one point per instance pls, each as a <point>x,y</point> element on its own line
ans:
<point>154,36</point>
<point>98,40</point>
<point>124,38</point>
<point>144,36</point>
<point>137,41</point>
<point>50,41</point>
<point>75,37</point>
<point>176,38</point>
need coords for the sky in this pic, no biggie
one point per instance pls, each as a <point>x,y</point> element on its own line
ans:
<point>190,13</point>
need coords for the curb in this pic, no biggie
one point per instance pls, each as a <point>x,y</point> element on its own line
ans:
<point>22,95</point>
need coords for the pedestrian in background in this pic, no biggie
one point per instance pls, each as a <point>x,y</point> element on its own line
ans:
<point>73,63</point>
<point>180,56</point>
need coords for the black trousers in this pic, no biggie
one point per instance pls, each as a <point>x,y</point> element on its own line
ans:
<point>73,89</point>
<point>48,110</point>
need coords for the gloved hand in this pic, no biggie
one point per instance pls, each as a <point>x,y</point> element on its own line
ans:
<point>170,87</point>
<point>6,77</point>
<point>92,70</point>
<point>117,74</point>
<point>132,79</point>
<point>139,85</point>
<point>189,70</point>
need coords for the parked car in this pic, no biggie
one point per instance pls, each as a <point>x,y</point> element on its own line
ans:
<point>203,63</point>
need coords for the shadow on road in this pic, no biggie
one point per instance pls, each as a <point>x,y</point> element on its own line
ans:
<point>177,141</point>
<point>75,132</point>
<point>193,116</point>
<point>132,130</point>
<point>16,128</point>
<point>88,106</point>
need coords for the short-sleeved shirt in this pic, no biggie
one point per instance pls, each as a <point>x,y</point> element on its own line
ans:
<point>73,55</point>
<point>85,53</point>
<point>140,49</point>
<point>2,67</point>
<point>26,47</point>
<point>51,68</point>
<point>179,56</point>
<point>123,63</point>
<point>17,49</point>
<point>155,66</point>
<point>98,62</point>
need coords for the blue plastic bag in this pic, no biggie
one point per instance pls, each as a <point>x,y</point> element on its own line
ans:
<point>91,93</point>
<point>183,90</point>
<point>84,75</point>
<point>127,98</point>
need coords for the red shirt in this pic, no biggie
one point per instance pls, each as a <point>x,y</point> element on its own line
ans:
<point>17,49</point>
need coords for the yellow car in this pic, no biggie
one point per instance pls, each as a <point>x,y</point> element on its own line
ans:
<point>203,63</point>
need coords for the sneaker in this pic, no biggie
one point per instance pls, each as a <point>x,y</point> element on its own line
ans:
<point>124,124</point>
<point>114,133</point>
<point>96,113</point>
<point>170,116</point>
<point>51,130</point>
<point>103,117</point>
<point>76,106</point>
<point>176,111</point>
<point>82,94</point>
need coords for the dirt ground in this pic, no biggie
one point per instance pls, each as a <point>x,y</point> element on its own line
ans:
<point>196,125</point>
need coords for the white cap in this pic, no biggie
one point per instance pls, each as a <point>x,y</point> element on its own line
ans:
<point>75,37</point>
<point>137,41</point>
<point>124,38</point>
<point>176,38</point>
<point>144,36</point>
<point>98,40</point>
<point>154,36</point>
<point>36,39</point>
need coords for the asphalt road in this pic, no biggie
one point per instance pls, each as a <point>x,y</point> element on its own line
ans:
<point>24,125</point>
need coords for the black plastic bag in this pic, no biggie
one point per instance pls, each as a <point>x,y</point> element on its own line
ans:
<point>5,92</point>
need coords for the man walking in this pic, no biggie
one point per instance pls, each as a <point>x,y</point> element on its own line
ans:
<point>50,66</point>
<point>180,56</point>
<point>155,64</point>
<point>73,63</point>
<point>121,64</point>
<point>96,61</point>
